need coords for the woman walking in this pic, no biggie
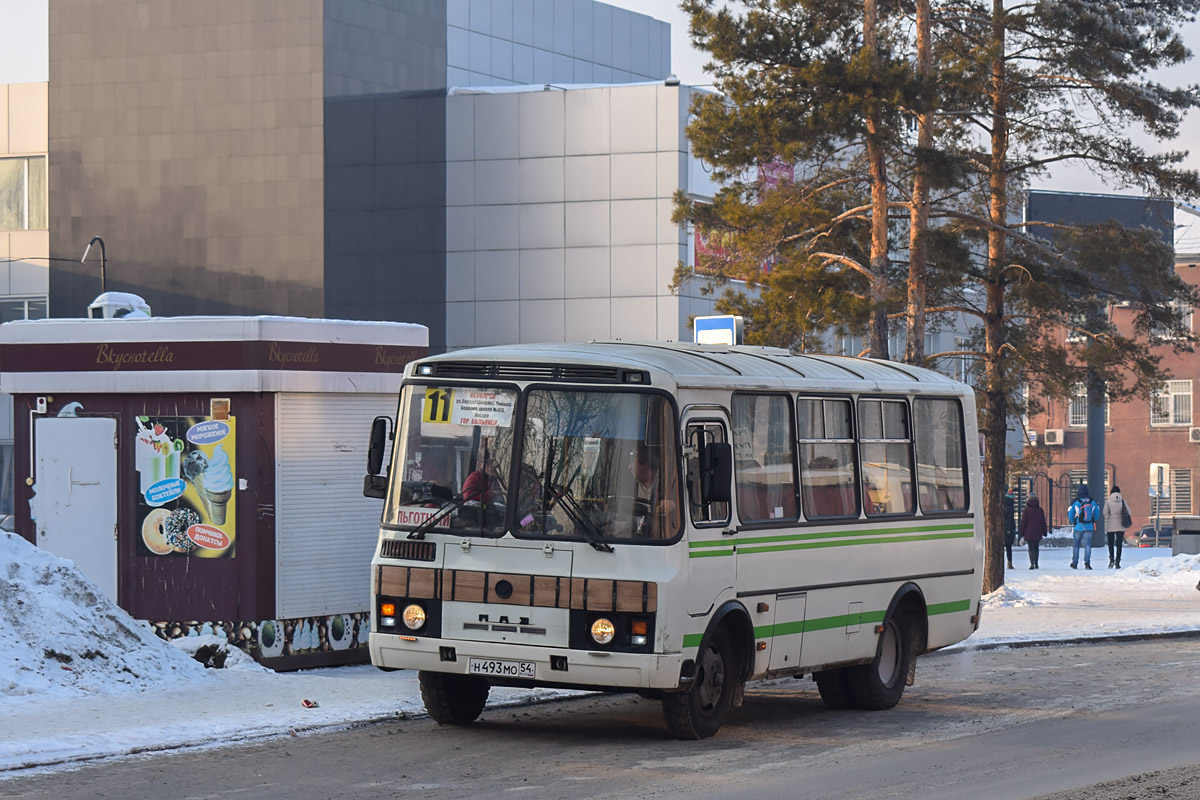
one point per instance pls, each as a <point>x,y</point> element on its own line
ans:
<point>1033,528</point>
<point>1115,515</point>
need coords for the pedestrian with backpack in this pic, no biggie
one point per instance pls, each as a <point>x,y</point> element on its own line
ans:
<point>1117,520</point>
<point>1083,515</point>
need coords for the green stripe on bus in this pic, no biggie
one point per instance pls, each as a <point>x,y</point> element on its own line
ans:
<point>834,534</point>
<point>728,551</point>
<point>828,623</point>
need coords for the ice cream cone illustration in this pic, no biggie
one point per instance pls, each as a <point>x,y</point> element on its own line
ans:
<point>216,485</point>
<point>198,482</point>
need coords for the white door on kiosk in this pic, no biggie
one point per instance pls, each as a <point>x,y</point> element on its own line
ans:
<point>76,500</point>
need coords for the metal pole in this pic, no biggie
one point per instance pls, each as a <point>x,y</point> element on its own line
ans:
<point>103,259</point>
<point>1158,506</point>
<point>1095,447</point>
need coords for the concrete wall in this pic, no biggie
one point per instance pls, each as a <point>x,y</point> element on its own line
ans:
<point>385,209</point>
<point>189,136</point>
<point>558,215</point>
<point>384,46</point>
<point>513,42</point>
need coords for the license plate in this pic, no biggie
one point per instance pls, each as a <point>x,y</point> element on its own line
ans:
<point>504,669</point>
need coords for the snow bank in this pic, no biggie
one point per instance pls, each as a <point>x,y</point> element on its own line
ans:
<point>60,636</point>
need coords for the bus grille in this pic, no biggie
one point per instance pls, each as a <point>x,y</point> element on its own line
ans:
<point>407,549</point>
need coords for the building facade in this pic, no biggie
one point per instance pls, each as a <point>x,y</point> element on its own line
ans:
<point>1139,432</point>
<point>290,156</point>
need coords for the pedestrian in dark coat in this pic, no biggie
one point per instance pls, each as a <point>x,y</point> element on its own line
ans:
<point>1010,524</point>
<point>1033,528</point>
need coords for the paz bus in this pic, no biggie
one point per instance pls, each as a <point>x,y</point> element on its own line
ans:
<point>675,520</point>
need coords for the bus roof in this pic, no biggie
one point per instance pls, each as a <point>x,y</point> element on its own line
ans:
<point>687,365</point>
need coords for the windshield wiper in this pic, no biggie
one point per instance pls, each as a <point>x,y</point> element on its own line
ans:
<point>437,516</point>
<point>590,532</point>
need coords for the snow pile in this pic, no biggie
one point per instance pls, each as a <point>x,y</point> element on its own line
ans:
<point>1008,597</point>
<point>1174,566</point>
<point>230,657</point>
<point>60,636</point>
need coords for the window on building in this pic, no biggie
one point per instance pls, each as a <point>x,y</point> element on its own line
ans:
<point>1079,477</point>
<point>15,308</point>
<point>1180,501</point>
<point>1077,416</point>
<point>1172,405</point>
<point>1183,312</point>
<point>23,193</point>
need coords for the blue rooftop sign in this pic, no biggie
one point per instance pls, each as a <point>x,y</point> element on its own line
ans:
<point>717,330</point>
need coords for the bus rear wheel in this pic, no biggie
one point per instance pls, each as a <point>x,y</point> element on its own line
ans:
<point>834,686</point>
<point>453,699</point>
<point>698,712</point>
<point>877,686</point>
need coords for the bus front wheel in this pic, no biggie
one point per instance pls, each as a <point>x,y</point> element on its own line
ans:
<point>878,685</point>
<point>698,712</point>
<point>453,699</point>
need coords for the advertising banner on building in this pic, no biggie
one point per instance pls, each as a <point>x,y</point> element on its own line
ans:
<point>186,486</point>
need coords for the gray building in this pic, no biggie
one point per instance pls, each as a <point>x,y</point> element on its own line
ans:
<point>291,156</point>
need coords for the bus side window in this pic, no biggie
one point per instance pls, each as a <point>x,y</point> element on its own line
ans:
<point>764,457</point>
<point>704,511</point>
<point>828,482</point>
<point>885,447</point>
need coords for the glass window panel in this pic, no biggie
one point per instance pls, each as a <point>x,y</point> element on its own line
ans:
<point>941,477</point>
<point>37,194</point>
<point>764,466</point>
<point>887,478</point>
<point>895,420</point>
<point>837,420</point>
<point>810,416</point>
<point>12,194</point>
<point>870,422</point>
<point>701,435</point>
<point>827,479</point>
<point>37,308</point>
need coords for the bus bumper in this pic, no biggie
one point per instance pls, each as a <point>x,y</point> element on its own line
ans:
<point>583,667</point>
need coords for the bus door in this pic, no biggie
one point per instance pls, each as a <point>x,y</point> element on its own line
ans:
<point>711,561</point>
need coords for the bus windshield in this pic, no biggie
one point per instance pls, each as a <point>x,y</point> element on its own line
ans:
<point>597,466</point>
<point>452,458</point>
<point>601,466</point>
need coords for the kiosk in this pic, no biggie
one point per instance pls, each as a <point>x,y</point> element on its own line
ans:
<point>206,472</point>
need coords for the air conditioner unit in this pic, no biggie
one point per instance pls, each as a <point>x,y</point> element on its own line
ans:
<point>1053,437</point>
<point>1194,435</point>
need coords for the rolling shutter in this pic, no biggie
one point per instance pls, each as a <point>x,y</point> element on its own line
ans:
<point>325,530</point>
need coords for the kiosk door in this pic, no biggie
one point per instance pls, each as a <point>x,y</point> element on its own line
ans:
<point>76,500</point>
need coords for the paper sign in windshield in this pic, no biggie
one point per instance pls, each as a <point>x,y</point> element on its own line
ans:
<point>483,408</point>
<point>416,515</point>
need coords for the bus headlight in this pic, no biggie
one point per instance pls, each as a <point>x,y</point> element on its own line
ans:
<point>603,631</point>
<point>414,617</point>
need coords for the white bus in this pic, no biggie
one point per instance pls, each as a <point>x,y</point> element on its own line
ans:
<point>673,519</point>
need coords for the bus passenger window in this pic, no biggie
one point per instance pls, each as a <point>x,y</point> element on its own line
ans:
<point>885,448</point>
<point>940,459</point>
<point>763,462</point>
<point>828,484</point>
<point>699,436</point>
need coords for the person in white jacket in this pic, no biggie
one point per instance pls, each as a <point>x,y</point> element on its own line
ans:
<point>1114,526</point>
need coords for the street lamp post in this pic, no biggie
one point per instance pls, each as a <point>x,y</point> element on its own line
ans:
<point>94,240</point>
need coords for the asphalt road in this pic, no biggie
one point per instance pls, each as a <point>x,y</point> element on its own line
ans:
<point>1099,721</point>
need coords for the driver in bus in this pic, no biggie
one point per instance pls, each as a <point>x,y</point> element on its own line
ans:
<point>651,510</point>
<point>483,485</point>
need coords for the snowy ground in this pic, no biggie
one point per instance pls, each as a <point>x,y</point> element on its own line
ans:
<point>80,680</point>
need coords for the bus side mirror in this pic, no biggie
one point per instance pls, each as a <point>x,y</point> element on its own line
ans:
<point>716,470</point>
<point>375,484</point>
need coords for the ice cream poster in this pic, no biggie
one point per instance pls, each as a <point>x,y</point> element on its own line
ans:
<point>186,486</point>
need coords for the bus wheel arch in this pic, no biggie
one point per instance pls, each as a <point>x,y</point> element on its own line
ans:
<point>723,662</point>
<point>879,684</point>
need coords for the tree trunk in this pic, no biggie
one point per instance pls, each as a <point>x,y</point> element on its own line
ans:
<point>879,197</point>
<point>995,416</point>
<point>914,352</point>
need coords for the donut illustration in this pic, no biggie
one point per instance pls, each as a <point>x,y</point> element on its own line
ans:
<point>176,527</point>
<point>154,533</point>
